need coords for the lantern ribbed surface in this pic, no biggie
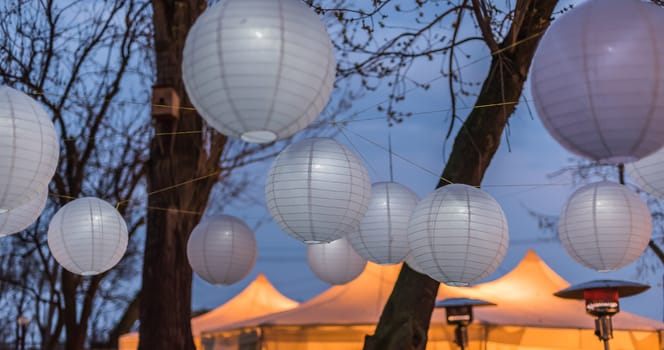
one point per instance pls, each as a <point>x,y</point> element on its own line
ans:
<point>382,236</point>
<point>29,148</point>
<point>648,173</point>
<point>20,218</point>
<point>605,226</point>
<point>598,80</point>
<point>413,264</point>
<point>260,70</point>
<point>87,236</point>
<point>317,190</point>
<point>222,249</point>
<point>458,234</point>
<point>335,262</point>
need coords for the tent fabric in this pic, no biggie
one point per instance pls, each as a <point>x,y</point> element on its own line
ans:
<point>357,302</point>
<point>527,316</point>
<point>257,299</point>
<point>524,297</point>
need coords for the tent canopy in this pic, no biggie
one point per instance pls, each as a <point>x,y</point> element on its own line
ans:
<point>257,299</point>
<point>524,297</point>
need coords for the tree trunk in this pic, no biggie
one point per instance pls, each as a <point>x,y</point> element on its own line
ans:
<point>405,320</point>
<point>165,307</point>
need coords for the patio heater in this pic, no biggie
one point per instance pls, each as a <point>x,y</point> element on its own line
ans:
<point>602,302</point>
<point>459,312</point>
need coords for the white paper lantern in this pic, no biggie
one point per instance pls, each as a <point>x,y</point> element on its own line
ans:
<point>382,236</point>
<point>20,218</point>
<point>222,249</point>
<point>605,226</point>
<point>87,236</point>
<point>598,80</point>
<point>413,264</point>
<point>335,262</point>
<point>28,149</point>
<point>648,173</point>
<point>260,70</point>
<point>317,190</point>
<point>458,234</point>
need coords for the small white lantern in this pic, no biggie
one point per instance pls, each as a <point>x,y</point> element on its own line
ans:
<point>605,226</point>
<point>222,249</point>
<point>317,190</point>
<point>87,236</point>
<point>20,218</point>
<point>335,262</point>
<point>648,173</point>
<point>598,80</point>
<point>260,70</point>
<point>29,149</point>
<point>458,234</point>
<point>382,236</point>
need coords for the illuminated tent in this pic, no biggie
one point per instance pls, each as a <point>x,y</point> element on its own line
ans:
<point>257,299</point>
<point>523,319</point>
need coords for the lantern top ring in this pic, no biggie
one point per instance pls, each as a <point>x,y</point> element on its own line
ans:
<point>259,136</point>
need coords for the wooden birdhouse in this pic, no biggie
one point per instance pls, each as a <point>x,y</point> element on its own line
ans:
<point>165,102</point>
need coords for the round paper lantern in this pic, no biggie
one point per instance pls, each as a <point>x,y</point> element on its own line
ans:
<point>648,173</point>
<point>335,262</point>
<point>20,218</point>
<point>413,264</point>
<point>28,149</point>
<point>87,236</point>
<point>598,80</point>
<point>222,249</point>
<point>317,190</point>
<point>605,226</point>
<point>382,236</point>
<point>260,70</point>
<point>458,234</point>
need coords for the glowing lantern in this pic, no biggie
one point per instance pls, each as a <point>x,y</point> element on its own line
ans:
<point>260,70</point>
<point>335,262</point>
<point>87,236</point>
<point>648,173</point>
<point>382,236</point>
<point>317,190</point>
<point>598,80</point>
<point>222,249</point>
<point>605,226</point>
<point>20,218</point>
<point>28,149</point>
<point>458,234</point>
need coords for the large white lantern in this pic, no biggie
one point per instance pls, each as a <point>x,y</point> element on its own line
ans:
<point>317,190</point>
<point>598,80</point>
<point>260,70</point>
<point>605,226</point>
<point>29,149</point>
<point>222,249</point>
<point>648,173</point>
<point>87,236</point>
<point>20,218</point>
<point>335,262</point>
<point>382,236</point>
<point>458,234</point>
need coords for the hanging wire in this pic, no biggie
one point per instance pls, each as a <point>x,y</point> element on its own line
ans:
<point>389,145</point>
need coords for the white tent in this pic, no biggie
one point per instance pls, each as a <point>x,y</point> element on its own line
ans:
<point>527,317</point>
<point>257,299</point>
